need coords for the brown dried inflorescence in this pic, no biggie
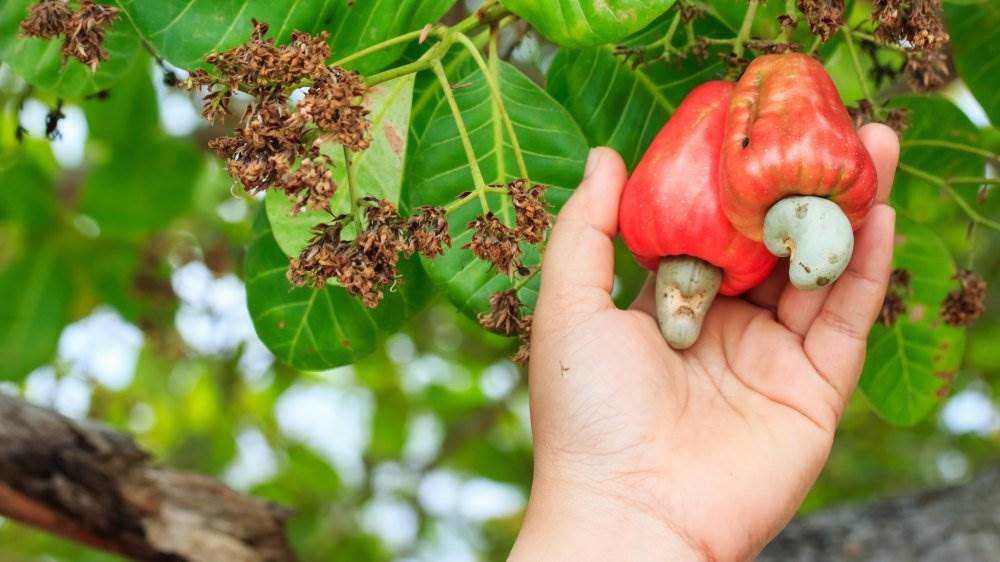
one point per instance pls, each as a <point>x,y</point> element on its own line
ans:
<point>689,11</point>
<point>523,354</point>
<point>893,305</point>
<point>504,317</point>
<point>264,69</point>
<point>311,186</point>
<point>495,242</point>
<point>864,112</point>
<point>772,47</point>
<point>264,147</point>
<point>272,137</point>
<point>367,265</point>
<point>964,306</point>
<point>46,19</point>
<point>83,30</point>
<point>916,21</point>
<point>823,16</point>
<point>531,218</point>
<point>334,105</point>
<point>927,70</point>
<point>428,230</point>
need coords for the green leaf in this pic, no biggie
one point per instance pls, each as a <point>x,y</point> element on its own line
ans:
<point>320,329</point>
<point>936,119</point>
<point>910,363</point>
<point>184,31</point>
<point>620,106</point>
<point>36,293</point>
<point>437,172</point>
<point>362,24</point>
<point>579,23</point>
<point>143,187</point>
<point>378,171</point>
<point>974,32</point>
<point>39,61</point>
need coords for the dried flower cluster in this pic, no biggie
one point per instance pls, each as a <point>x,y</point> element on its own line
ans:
<point>82,29</point>
<point>495,242</point>
<point>927,69</point>
<point>271,137</point>
<point>897,118</point>
<point>823,16</point>
<point>894,306</point>
<point>368,264</point>
<point>772,47</point>
<point>916,21</point>
<point>964,306</point>
<point>505,318</point>
<point>920,25</point>
<point>531,218</point>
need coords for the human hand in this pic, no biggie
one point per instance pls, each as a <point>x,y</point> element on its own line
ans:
<point>645,453</point>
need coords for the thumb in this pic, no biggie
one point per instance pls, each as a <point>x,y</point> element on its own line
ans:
<point>578,270</point>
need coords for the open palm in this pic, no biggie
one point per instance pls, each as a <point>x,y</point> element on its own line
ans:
<point>717,445</point>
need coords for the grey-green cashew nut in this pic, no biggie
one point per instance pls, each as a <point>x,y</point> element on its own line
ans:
<point>816,234</point>
<point>685,289</point>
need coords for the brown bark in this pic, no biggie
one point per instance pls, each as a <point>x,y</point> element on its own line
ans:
<point>89,484</point>
<point>956,524</point>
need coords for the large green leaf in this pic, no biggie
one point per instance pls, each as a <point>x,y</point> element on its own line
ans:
<point>910,362</point>
<point>378,171</point>
<point>356,25</point>
<point>581,23</point>
<point>621,105</point>
<point>437,172</point>
<point>975,29</point>
<point>36,293</point>
<point>184,31</point>
<point>936,120</point>
<point>321,328</point>
<point>39,61</point>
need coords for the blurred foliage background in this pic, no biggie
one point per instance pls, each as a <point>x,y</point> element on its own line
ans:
<point>122,299</point>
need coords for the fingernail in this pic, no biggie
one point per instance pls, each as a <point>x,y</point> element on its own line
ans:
<point>593,161</point>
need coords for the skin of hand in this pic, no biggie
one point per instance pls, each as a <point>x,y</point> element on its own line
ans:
<point>644,453</point>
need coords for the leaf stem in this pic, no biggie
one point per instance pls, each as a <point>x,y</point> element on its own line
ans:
<point>463,133</point>
<point>945,185</point>
<point>492,72</point>
<point>856,63</point>
<point>372,49</point>
<point>352,188</point>
<point>744,32</point>
<point>489,12</point>
<point>790,12</point>
<point>962,147</point>
<point>869,37</point>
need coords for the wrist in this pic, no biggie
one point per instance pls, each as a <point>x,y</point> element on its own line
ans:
<point>568,521</point>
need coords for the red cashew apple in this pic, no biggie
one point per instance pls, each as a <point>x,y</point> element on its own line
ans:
<point>671,219</point>
<point>794,171</point>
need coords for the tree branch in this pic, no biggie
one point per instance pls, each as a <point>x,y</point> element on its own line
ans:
<point>89,484</point>
<point>957,524</point>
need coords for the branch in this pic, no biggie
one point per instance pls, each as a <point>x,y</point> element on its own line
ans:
<point>958,524</point>
<point>89,484</point>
